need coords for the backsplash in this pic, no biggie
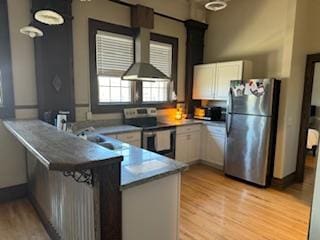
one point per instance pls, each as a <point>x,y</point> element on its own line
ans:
<point>213,103</point>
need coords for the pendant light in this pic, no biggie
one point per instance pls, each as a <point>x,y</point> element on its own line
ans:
<point>31,31</point>
<point>216,5</point>
<point>49,16</point>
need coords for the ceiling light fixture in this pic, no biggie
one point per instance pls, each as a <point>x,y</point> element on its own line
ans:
<point>49,16</point>
<point>31,31</point>
<point>216,5</point>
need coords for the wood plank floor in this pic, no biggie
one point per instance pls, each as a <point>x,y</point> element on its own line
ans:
<point>19,221</point>
<point>214,207</point>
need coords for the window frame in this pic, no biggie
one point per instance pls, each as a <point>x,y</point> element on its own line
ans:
<point>156,37</point>
<point>96,107</point>
<point>94,27</point>
<point>7,109</point>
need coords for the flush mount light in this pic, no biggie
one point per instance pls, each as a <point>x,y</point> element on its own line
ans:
<point>216,5</point>
<point>31,31</point>
<point>49,17</point>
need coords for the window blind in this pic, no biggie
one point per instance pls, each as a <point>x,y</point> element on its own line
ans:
<point>161,56</point>
<point>114,53</point>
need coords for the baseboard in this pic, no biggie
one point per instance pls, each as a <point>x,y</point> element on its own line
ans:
<point>14,192</point>
<point>284,182</point>
<point>44,220</point>
<point>216,166</point>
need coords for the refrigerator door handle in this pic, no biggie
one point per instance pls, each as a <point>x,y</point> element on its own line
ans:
<point>229,113</point>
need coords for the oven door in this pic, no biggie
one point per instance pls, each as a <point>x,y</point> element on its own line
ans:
<point>149,140</point>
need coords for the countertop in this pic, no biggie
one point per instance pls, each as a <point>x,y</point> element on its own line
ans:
<point>139,165</point>
<point>58,150</point>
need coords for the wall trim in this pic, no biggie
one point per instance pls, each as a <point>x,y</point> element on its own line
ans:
<point>26,107</point>
<point>13,192</point>
<point>156,13</point>
<point>83,105</point>
<point>284,182</point>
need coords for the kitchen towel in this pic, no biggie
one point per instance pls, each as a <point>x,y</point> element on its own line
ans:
<point>313,138</point>
<point>162,140</point>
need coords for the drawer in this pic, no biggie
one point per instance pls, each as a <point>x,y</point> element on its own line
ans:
<point>188,129</point>
<point>221,131</point>
<point>132,136</point>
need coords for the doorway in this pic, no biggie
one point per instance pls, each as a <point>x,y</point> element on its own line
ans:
<point>310,122</point>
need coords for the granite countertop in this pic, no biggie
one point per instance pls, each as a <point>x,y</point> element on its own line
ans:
<point>58,150</point>
<point>139,165</point>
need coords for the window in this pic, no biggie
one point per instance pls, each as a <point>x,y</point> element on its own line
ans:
<point>114,55</point>
<point>111,54</point>
<point>160,57</point>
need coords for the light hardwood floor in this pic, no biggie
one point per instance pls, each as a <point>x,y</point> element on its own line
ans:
<point>215,207</point>
<point>19,221</point>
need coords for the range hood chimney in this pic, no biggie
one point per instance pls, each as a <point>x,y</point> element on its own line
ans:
<point>142,70</point>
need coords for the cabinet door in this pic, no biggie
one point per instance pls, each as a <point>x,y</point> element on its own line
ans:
<point>203,81</point>
<point>194,146</point>
<point>224,74</point>
<point>182,145</point>
<point>136,143</point>
<point>215,149</point>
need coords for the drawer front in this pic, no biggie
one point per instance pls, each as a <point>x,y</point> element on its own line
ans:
<point>220,131</point>
<point>129,137</point>
<point>188,129</point>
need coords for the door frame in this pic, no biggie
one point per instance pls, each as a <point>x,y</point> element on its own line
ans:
<point>305,114</point>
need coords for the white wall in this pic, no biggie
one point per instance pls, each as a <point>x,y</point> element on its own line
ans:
<point>12,154</point>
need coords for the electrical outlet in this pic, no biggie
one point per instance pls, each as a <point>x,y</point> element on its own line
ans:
<point>89,116</point>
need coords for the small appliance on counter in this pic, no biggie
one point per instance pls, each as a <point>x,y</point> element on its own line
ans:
<point>210,113</point>
<point>62,119</point>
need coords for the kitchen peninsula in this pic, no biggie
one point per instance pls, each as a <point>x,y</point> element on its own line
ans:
<point>85,191</point>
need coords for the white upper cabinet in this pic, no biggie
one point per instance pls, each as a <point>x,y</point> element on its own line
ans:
<point>203,86</point>
<point>212,81</point>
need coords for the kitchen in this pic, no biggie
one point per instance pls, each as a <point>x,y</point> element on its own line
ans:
<point>195,142</point>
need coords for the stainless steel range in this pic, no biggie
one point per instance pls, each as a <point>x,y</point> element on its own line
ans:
<point>156,136</point>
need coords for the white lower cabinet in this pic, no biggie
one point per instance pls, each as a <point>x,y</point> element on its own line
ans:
<point>188,144</point>
<point>213,145</point>
<point>132,138</point>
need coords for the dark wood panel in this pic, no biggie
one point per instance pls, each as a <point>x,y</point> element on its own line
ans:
<point>305,114</point>
<point>54,62</point>
<point>194,50</point>
<point>59,150</point>
<point>142,16</point>
<point>108,201</point>
<point>7,109</point>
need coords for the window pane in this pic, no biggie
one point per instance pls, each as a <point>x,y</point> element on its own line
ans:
<point>114,90</point>
<point>161,58</point>
<point>114,55</point>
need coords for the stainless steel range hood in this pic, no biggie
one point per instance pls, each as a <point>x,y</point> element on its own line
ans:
<point>142,70</point>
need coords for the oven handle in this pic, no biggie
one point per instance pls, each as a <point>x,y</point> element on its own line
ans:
<point>153,133</point>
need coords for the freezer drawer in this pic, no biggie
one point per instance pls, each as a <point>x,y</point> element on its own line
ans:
<point>247,148</point>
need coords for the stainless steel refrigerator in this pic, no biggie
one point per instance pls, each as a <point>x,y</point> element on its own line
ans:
<point>251,124</point>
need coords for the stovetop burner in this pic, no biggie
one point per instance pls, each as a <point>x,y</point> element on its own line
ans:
<point>145,118</point>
